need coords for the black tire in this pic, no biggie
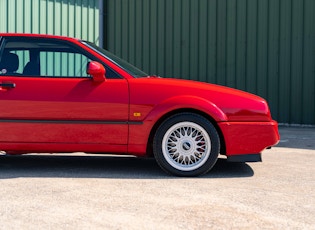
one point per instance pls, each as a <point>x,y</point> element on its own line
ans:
<point>186,144</point>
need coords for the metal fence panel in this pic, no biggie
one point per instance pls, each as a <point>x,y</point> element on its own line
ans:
<point>78,18</point>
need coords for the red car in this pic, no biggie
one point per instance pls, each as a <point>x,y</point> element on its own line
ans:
<point>60,94</point>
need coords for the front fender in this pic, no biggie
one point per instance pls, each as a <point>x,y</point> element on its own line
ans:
<point>138,134</point>
<point>186,102</point>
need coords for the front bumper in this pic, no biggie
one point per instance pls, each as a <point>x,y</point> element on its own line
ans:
<point>248,138</point>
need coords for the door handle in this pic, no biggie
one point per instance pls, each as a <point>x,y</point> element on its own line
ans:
<point>7,85</point>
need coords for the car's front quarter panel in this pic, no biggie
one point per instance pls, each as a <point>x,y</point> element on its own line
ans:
<point>243,119</point>
<point>153,99</point>
<point>151,114</point>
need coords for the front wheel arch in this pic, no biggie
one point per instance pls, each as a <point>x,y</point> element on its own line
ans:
<point>179,111</point>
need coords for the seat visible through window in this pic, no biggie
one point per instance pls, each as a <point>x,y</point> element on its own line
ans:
<point>31,68</point>
<point>9,63</point>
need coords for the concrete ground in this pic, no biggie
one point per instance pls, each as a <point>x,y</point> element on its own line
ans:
<point>105,192</point>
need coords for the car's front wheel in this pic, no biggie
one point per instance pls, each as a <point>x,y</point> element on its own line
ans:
<point>186,144</point>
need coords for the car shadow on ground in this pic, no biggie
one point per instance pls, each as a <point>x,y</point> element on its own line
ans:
<point>102,167</point>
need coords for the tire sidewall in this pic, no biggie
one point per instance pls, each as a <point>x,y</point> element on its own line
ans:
<point>186,117</point>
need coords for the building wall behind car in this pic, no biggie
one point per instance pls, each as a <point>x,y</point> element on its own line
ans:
<point>266,47</point>
<point>78,18</point>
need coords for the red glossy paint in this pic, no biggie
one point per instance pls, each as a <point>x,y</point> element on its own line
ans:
<point>97,70</point>
<point>244,119</point>
<point>118,115</point>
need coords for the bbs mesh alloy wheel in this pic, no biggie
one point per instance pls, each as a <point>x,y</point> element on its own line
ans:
<point>186,144</point>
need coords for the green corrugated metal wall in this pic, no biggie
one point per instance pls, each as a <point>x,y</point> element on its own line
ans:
<point>262,46</point>
<point>266,47</point>
<point>75,18</point>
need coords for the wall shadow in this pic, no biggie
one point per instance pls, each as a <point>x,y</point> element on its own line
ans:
<point>55,166</point>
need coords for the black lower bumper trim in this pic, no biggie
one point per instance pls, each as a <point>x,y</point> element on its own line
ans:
<point>245,158</point>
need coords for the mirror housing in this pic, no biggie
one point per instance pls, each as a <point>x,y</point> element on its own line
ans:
<point>96,70</point>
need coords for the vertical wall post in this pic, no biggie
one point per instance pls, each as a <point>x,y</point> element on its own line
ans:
<point>101,23</point>
<point>103,9</point>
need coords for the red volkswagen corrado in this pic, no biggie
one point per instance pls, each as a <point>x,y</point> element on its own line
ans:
<point>60,94</point>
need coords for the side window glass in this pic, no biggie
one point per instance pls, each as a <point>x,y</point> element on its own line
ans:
<point>23,57</point>
<point>39,57</point>
<point>42,58</point>
<point>63,64</point>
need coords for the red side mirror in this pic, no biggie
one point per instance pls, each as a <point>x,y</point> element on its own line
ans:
<point>96,70</point>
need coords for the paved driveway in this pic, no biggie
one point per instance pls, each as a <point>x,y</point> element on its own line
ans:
<point>105,192</point>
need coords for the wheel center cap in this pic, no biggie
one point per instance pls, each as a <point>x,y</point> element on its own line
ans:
<point>186,146</point>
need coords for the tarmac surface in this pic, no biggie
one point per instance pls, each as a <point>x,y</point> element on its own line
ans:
<point>105,192</point>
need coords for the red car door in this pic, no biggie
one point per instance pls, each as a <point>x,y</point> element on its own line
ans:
<point>63,110</point>
<point>56,107</point>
